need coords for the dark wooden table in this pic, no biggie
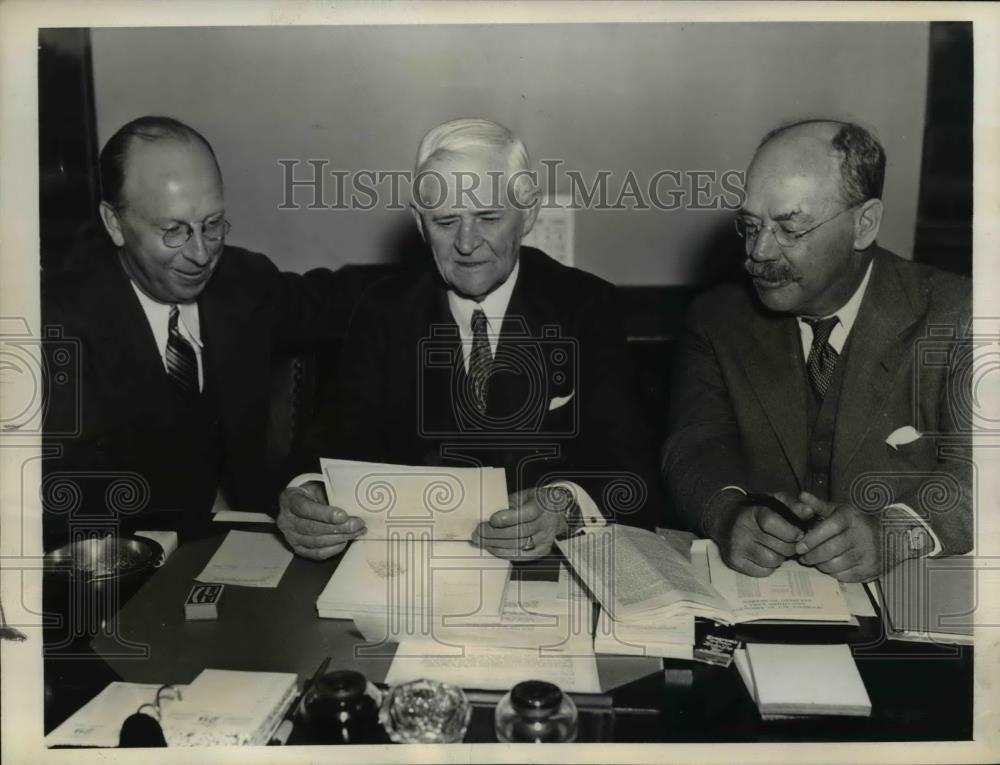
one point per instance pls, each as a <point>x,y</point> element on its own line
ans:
<point>918,692</point>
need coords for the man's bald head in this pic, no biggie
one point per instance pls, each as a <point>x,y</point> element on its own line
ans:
<point>856,154</point>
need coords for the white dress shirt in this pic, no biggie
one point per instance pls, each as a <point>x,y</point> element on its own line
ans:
<point>847,314</point>
<point>158,316</point>
<point>493,305</point>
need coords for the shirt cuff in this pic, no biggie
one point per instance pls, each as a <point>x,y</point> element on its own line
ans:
<point>936,549</point>
<point>590,513</point>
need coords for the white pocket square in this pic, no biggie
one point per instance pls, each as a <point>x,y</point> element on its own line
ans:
<point>559,401</point>
<point>903,436</point>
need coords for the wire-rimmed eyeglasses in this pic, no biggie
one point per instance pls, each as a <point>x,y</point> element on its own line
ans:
<point>749,230</point>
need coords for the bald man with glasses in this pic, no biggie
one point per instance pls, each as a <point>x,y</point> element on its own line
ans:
<point>821,411</point>
<point>175,331</point>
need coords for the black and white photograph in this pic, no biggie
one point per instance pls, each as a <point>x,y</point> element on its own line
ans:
<point>542,382</point>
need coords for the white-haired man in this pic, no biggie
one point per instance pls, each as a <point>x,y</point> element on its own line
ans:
<point>497,355</point>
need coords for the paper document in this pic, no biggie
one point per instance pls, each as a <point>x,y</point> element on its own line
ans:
<point>249,559</point>
<point>491,669</point>
<point>99,721</point>
<point>227,707</point>
<point>803,680</point>
<point>236,516</point>
<point>398,579</point>
<point>445,502</point>
<point>670,639</point>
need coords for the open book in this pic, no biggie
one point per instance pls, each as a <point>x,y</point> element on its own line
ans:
<point>638,577</point>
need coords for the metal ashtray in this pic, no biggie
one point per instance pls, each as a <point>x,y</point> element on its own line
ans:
<point>86,581</point>
<point>99,559</point>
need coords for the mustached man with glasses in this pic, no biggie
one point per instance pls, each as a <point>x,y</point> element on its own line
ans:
<point>836,380</point>
<point>175,330</point>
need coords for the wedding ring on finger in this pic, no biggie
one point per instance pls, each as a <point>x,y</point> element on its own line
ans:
<point>529,543</point>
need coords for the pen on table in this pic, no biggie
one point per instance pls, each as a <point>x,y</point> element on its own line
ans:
<point>284,730</point>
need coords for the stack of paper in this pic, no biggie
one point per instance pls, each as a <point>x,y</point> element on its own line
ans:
<point>408,580</point>
<point>668,638</point>
<point>223,707</point>
<point>99,721</point>
<point>796,680</point>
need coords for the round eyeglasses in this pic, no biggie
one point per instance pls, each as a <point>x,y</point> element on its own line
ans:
<point>749,230</point>
<point>211,231</point>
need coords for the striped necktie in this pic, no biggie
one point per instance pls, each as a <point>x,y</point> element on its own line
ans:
<point>822,356</point>
<point>182,363</point>
<point>480,360</point>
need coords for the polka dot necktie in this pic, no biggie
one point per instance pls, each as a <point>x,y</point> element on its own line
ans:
<point>822,356</point>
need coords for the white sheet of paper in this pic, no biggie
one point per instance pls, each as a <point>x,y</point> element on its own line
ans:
<point>806,679</point>
<point>248,559</point>
<point>446,502</point>
<point>858,602</point>
<point>99,721</point>
<point>491,669</point>
<point>401,577</point>
<point>237,516</point>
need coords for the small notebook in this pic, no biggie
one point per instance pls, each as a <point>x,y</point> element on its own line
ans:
<point>225,707</point>
<point>786,680</point>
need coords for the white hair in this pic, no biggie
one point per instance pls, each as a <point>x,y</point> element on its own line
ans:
<point>467,136</point>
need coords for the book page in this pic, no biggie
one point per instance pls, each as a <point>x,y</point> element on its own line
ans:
<point>632,572</point>
<point>791,592</point>
<point>446,503</point>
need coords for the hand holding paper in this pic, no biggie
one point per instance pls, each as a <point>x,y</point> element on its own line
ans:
<point>312,528</point>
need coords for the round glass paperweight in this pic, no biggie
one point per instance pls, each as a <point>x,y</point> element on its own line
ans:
<point>425,712</point>
<point>536,712</point>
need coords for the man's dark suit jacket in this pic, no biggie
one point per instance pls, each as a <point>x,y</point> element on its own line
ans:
<point>738,405</point>
<point>561,401</point>
<point>115,416</point>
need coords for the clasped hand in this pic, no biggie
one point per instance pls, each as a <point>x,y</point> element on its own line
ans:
<point>841,540</point>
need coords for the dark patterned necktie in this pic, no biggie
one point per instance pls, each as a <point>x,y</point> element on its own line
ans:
<point>480,360</point>
<point>822,356</point>
<point>182,363</point>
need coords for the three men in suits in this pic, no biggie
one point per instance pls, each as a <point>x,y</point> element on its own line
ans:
<point>494,355</point>
<point>175,331</point>
<point>811,386</point>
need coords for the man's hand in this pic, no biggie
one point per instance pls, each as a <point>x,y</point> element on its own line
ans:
<point>314,529</point>
<point>755,540</point>
<point>844,541</point>
<point>525,522</point>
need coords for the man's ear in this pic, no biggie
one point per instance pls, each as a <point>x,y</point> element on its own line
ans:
<point>867,221</point>
<point>419,220</point>
<point>531,214</point>
<point>112,224</point>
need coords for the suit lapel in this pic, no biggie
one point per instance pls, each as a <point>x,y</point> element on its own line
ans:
<point>235,347</point>
<point>772,357</point>
<point>875,359</point>
<point>126,347</point>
